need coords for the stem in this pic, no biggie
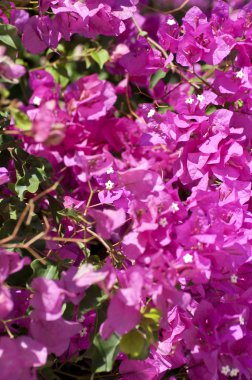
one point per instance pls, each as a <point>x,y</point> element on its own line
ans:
<point>158,47</point>
<point>70,240</point>
<point>171,11</point>
<point>11,336</point>
<point>100,239</point>
<point>91,194</point>
<point>177,9</point>
<point>132,112</point>
<point>150,40</point>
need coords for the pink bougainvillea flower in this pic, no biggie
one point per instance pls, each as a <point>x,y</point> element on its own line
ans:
<point>40,34</point>
<point>54,335</point>
<point>47,300</point>
<point>89,98</point>
<point>8,69</point>
<point>107,221</point>
<point>20,357</point>
<point>6,303</point>
<point>4,175</point>
<point>48,123</point>
<point>86,276</point>
<point>19,18</point>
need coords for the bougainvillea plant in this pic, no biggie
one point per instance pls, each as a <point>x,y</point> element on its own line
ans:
<point>125,190</point>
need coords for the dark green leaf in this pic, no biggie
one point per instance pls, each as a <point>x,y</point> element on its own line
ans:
<point>103,353</point>
<point>60,74</point>
<point>56,207</point>
<point>160,74</point>
<point>50,271</point>
<point>210,109</point>
<point>20,278</point>
<point>68,311</point>
<point>71,214</point>
<point>93,299</point>
<point>9,37</point>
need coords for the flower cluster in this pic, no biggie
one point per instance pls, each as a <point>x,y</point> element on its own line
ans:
<point>130,190</point>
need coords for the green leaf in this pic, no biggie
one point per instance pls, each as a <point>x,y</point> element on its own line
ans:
<point>49,271</point>
<point>87,61</point>
<point>210,109</point>
<point>100,57</point>
<point>60,74</point>
<point>48,374</point>
<point>103,353</point>
<point>155,78</point>
<point>22,121</point>
<point>134,345</point>
<point>20,278</point>
<point>9,36</point>
<point>71,214</point>
<point>30,183</point>
<point>55,207</point>
<point>94,297</point>
<point>68,311</point>
<point>31,171</point>
<point>154,315</point>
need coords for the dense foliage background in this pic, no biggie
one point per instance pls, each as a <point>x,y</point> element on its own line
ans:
<point>125,189</point>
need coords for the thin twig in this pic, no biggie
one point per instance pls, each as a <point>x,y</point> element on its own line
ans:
<point>165,55</point>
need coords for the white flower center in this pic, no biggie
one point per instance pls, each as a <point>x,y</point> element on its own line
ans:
<point>110,170</point>
<point>225,370</point>
<point>189,100</point>
<point>188,258</point>
<point>201,98</point>
<point>240,74</point>
<point>109,185</point>
<point>171,21</point>
<point>83,332</point>
<point>234,372</point>
<point>234,279</point>
<point>174,207</point>
<point>37,101</point>
<point>163,222</point>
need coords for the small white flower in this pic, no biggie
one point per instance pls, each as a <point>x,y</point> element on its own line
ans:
<point>109,185</point>
<point>171,21</point>
<point>189,100</point>
<point>234,372</point>
<point>37,101</point>
<point>151,113</point>
<point>241,320</point>
<point>188,258</point>
<point>225,369</point>
<point>201,97</point>
<point>239,74</point>
<point>110,170</point>
<point>174,207</point>
<point>83,332</point>
<point>234,279</point>
<point>163,222</point>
